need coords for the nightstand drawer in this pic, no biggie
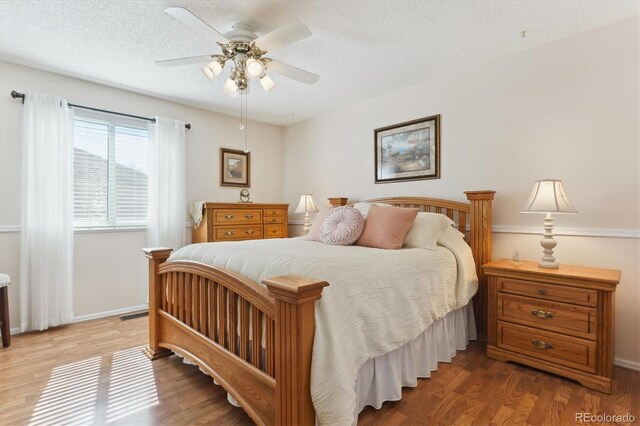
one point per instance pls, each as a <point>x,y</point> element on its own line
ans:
<point>223,217</point>
<point>569,351</point>
<point>560,293</point>
<point>274,231</point>
<point>554,316</point>
<point>232,233</point>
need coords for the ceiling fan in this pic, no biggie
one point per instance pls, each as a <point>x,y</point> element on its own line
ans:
<point>245,50</point>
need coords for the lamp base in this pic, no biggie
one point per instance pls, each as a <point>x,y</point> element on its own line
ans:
<point>307,224</point>
<point>548,243</point>
<point>548,265</point>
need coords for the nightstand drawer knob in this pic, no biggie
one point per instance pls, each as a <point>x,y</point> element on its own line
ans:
<point>541,291</point>
<point>248,216</point>
<point>249,231</point>
<point>229,233</point>
<point>540,344</point>
<point>542,314</point>
<point>229,216</point>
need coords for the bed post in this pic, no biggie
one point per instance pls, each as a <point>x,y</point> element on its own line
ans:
<point>156,256</point>
<point>480,218</point>
<point>295,298</point>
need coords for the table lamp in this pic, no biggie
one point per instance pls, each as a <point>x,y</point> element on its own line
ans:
<point>306,205</point>
<point>548,197</point>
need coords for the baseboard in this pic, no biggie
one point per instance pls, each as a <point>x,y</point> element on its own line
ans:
<point>98,315</point>
<point>627,364</point>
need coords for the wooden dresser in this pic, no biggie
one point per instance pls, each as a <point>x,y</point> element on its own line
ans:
<point>557,320</point>
<point>238,221</point>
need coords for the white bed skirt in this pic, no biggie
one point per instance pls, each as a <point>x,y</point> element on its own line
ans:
<point>382,378</point>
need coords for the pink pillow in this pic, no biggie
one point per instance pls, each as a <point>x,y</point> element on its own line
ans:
<point>387,227</point>
<point>342,227</point>
<point>314,231</point>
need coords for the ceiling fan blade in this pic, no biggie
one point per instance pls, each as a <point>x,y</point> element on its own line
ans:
<point>283,36</point>
<point>184,16</point>
<point>292,72</point>
<point>185,61</point>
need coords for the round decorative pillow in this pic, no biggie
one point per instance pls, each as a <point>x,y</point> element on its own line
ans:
<point>343,226</point>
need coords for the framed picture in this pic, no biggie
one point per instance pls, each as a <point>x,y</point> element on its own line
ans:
<point>408,151</point>
<point>235,167</point>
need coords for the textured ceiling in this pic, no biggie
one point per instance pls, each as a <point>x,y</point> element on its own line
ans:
<point>360,49</point>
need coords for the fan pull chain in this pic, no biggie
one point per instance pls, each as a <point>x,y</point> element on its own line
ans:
<point>246,126</point>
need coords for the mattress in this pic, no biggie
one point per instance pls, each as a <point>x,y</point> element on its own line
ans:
<point>376,302</point>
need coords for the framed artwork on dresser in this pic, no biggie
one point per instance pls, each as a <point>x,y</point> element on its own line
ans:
<point>408,151</point>
<point>235,168</point>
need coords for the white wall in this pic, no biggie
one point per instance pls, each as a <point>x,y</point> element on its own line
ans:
<point>566,110</point>
<point>109,268</point>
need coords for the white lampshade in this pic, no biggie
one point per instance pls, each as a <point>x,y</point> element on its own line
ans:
<point>306,204</point>
<point>548,196</point>
<point>255,69</point>
<point>267,83</point>
<point>231,88</point>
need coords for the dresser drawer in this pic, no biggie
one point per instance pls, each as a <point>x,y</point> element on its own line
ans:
<point>233,233</point>
<point>274,212</point>
<point>560,293</point>
<point>274,219</point>
<point>224,217</point>
<point>575,320</point>
<point>569,351</point>
<point>274,231</point>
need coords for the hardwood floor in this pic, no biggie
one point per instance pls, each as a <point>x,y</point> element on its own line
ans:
<point>95,373</point>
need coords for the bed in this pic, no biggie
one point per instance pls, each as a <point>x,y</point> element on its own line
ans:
<point>257,341</point>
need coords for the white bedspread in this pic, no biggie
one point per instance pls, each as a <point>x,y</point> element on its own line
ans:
<point>377,300</point>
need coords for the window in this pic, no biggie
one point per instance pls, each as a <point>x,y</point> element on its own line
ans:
<point>110,172</point>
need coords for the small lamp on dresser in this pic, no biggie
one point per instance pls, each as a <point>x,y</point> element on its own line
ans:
<point>548,197</point>
<point>306,206</point>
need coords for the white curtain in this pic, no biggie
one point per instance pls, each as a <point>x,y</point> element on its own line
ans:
<point>46,250</point>
<point>167,212</point>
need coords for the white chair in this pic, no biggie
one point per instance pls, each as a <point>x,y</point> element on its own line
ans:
<point>5,280</point>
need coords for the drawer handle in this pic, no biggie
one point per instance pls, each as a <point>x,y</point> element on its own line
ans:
<point>249,231</point>
<point>248,216</point>
<point>541,345</point>
<point>274,231</point>
<point>229,233</point>
<point>229,216</point>
<point>542,314</point>
<point>541,291</point>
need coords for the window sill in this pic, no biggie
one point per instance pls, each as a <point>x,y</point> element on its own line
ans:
<point>103,229</point>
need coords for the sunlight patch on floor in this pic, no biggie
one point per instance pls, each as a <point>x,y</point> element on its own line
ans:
<point>70,395</point>
<point>132,386</point>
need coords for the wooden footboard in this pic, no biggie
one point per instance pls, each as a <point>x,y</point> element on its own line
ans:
<point>255,342</point>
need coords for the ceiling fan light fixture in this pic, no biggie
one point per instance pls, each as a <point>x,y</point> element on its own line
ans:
<point>267,83</point>
<point>255,69</point>
<point>207,73</point>
<point>231,88</point>
<point>215,67</point>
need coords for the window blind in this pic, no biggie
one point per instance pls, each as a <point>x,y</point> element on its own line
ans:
<point>110,173</point>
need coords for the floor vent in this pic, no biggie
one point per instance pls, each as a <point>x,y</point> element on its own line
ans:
<point>134,316</point>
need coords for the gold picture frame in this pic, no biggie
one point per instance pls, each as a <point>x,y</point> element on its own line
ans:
<point>408,151</point>
<point>235,168</point>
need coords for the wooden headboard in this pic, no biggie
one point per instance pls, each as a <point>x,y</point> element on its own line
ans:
<point>476,214</point>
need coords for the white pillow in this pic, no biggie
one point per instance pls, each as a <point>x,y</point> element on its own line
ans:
<point>364,206</point>
<point>427,230</point>
<point>342,227</point>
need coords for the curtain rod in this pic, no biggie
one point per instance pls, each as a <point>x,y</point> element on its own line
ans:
<point>16,95</point>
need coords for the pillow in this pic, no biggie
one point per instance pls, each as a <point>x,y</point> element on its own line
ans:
<point>314,231</point>
<point>343,226</point>
<point>427,230</point>
<point>364,206</point>
<point>386,227</point>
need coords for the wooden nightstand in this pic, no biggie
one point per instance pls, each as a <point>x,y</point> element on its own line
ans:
<point>557,320</point>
